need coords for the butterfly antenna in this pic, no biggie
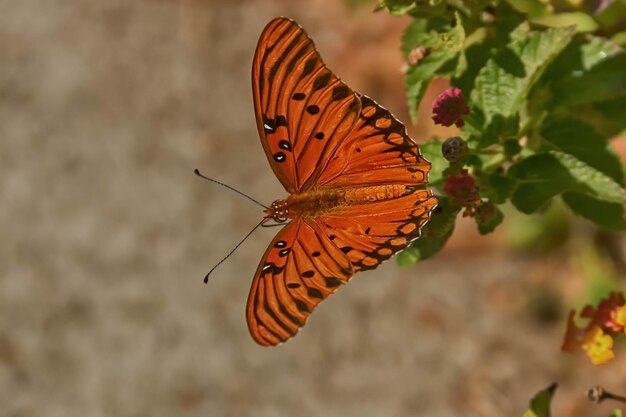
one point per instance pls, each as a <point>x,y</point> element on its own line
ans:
<point>197,172</point>
<point>206,278</point>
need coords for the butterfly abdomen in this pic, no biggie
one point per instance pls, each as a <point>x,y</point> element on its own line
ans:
<point>373,193</point>
<point>316,202</point>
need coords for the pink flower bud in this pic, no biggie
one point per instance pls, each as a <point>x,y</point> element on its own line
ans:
<point>449,107</point>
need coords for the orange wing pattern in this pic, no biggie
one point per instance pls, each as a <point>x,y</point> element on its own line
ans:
<point>300,268</point>
<point>303,110</point>
<point>377,151</point>
<point>317,133</point>
<point>371,233</point>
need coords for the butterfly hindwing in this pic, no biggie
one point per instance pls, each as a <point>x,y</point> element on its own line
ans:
<point>303,110</point>
<point>300,268</point>
<point>371,233</point>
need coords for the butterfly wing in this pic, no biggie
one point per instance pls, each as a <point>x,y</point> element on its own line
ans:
<point>371,233</point>
<point>303,110</point>
<point>377,151</point>
<point>300,268</point>
<point>318,133</point>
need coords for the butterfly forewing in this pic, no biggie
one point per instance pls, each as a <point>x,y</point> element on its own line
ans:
<point>303,110</point>
<point>377,151</point>
<point>300,268</point>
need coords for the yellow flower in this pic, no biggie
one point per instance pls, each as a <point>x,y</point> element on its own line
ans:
<point>619,316</point>
<point>599,346</point>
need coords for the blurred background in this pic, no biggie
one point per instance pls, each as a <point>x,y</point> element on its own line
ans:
<point>105,110</point>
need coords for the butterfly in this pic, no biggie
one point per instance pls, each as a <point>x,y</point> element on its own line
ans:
<point>356,182</point>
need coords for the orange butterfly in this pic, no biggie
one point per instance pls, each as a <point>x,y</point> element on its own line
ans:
<point>355,182</point>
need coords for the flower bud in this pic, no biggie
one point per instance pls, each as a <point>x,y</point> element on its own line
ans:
<point>454,149</point>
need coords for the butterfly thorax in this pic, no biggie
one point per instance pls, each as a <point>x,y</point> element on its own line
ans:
<point>315,202</point>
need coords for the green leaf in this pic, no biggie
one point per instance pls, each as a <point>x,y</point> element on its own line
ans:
<point>595,183</point>
<point>577,138</point>
<point>596,50</point>
<point>609,216</point>
<point>432,152</point>
<point>434,235</point>
<point>540,177</point>
<point>501,129</point>
<point>612,14</point>
<point>397,7</point>
<point>499,188</point>
<point>607,117</point>
<point>582,21</point>
<point>480,43</point>
<point>491,224</point>
<point>540,404</point>
<point>443,45</point>
<point>504,82</point>
<point>619,38</point>
<point>617,413</point>
<point>610,116</point>
<point>605,81</point>
<point>422,32</point>
<point>511,147</point>
<point>530,7</point>
<point>580,55</point>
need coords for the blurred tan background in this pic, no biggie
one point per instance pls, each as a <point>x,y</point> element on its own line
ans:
<point>106,107</point>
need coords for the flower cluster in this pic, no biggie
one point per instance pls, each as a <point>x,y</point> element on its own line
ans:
<point>605,321</point>
<point>462,191</point>
<point>449,107</point>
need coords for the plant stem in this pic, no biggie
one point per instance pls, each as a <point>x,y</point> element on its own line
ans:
<point>598,394</point>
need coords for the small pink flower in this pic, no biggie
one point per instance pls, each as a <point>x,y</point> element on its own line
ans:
<point>462,190</point>
<point>449,107</point>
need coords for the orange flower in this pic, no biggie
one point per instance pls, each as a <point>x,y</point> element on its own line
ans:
<point>571,338</point>
<point>599,346</point>
<point>601,316</point>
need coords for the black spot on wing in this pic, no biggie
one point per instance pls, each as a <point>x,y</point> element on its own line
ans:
<point>321,81</point>
<point>281,121</point>
<point>269,125</point>
<point>280,157</point>
<point>340,92</point>
<point>313,109</point>
<point>309,65</point>
<point>284,144</point>
<point>315,293</point>
<point>332,282</point>
<point>301,305</point>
